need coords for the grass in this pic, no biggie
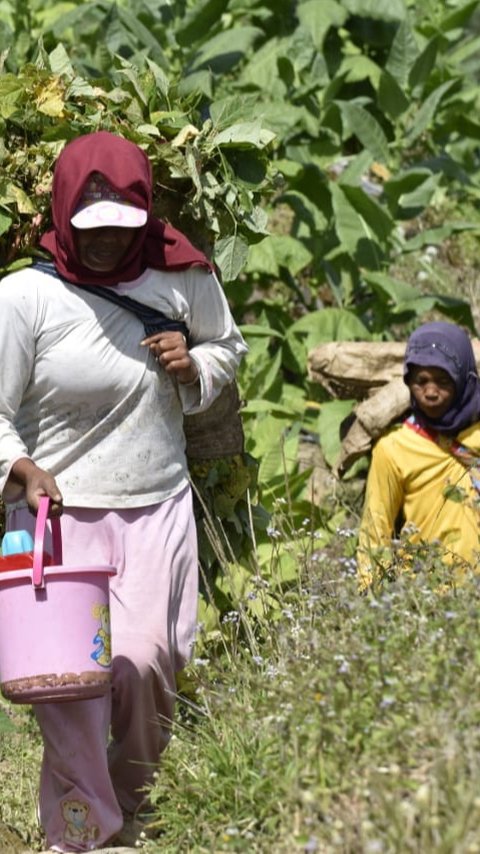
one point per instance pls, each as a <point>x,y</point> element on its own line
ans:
<point>20,757</point>
<point>356,732</point>
<point>335,723</point>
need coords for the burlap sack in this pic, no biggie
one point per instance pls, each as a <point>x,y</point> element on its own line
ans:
<point>372,418</point>
<point>217,432</point>
<point>355,369</point>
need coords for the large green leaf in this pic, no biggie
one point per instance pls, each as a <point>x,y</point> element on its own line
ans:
<point>319,17</point>
<point>456,309</point>
<point>349,226</point>
<point>383,10</point>
<point>277,251</point>
<point>329,420</point>
<point>263,374</point>
<point>5,222</point>
<point>288,120</point>
<point>427,111</point>
<point>356,168</point>
<point>329,324</point>
<point>160,77</point>
<point>401,186</point>
<point>395,290</point>
<point>406,299</point>
<point>262,71</point>
<point>198,82</point>
<point>225,50</point>
<point>268,435</point>
<point>60,18</point>
<point>458,17</point>
<point>233,110</point>
<point>424,63</point>
<point>257,330</point>
<point>279,459</point>
<point>143,35</point>
<point>357,68</point>
<point>391,97</point>
<point>306,213</point>
<point>300,58</point>
<point>375,215</point>
<point>199,21</point>
<point>79,88</point>
<point>465,50</point>
<point>364,126</point>
<point>255,222</point>
<point>421,196</point>
<point>243,135</point>
<point>260,369</point>
<point>131,73</point>
<point>466,127</point>
<point>51,99</point>
<point>402,54</point>
<point>357,217</point>
<point>231,255</point>
<point>12,92</point>
<point>11,193</point>
<point>59,61</point>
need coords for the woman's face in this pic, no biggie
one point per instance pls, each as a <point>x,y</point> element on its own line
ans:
<point>432,389</point>
<point>103,249</point>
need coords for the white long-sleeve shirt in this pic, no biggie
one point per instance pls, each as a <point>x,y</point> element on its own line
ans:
<point>82,399</point>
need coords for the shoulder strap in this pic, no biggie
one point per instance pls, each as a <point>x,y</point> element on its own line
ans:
<point>152,319</point>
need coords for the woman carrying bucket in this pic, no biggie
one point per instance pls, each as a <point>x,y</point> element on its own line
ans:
<point>92,397</point>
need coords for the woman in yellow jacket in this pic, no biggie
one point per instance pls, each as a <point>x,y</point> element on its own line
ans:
<point>427,470</point>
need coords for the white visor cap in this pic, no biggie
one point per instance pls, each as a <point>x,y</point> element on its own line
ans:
<point>101,205</point>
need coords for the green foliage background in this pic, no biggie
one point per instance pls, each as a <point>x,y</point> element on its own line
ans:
<point>314,149</point>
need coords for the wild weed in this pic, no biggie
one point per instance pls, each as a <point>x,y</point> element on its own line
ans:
<point>350,726</point>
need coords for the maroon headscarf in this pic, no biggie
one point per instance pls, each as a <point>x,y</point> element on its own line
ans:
<point>127,169</point>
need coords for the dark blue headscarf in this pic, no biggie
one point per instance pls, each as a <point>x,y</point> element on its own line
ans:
<point>447,346</point>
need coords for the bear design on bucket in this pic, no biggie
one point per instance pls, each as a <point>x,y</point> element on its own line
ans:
<point>75,815</point>
<point>103,653</point>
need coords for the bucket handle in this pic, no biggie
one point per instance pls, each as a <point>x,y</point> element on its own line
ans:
<point>38,567</point>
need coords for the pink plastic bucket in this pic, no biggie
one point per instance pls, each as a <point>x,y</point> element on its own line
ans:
<point>54,626</point>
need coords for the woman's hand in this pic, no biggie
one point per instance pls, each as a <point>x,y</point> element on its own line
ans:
<point>37,483</point>
<point>171,351</point>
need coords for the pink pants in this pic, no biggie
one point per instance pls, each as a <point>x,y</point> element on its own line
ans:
<point>84,786</point>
